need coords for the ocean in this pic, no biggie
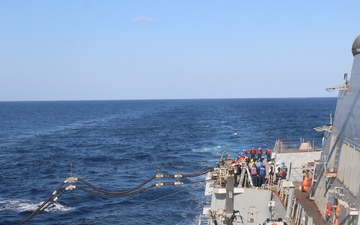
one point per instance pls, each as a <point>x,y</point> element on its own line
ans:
<point>116,145</point>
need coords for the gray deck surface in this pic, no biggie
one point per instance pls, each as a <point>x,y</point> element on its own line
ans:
<point>310,207</point>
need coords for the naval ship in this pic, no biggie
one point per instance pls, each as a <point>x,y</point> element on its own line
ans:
<point>321,185</point>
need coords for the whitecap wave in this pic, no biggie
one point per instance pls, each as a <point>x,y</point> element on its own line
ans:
<point>209,149</point>
<point>26,205</point>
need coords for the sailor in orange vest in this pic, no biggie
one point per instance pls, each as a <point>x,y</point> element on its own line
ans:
<point>260,153</point>
<point>246,152</point>
<point>268,154</point>
<point>252,153</point>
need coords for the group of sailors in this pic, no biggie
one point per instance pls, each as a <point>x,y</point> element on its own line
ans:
<point>257,167</point>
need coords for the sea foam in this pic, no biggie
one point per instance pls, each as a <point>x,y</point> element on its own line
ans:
<point>26,205</point>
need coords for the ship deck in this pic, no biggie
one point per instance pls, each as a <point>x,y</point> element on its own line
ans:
<point>295,150</point>
<point>309,206</point>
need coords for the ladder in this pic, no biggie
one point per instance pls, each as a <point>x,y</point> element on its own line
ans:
<point>242,176</point>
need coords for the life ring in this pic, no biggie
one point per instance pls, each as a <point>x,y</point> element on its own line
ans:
<point>328,210</point>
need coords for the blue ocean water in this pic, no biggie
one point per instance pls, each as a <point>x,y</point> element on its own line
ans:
<point>117,145</point>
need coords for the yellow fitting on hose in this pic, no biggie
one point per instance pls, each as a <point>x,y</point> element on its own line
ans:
<point>178,183</point>
<point>70,187</point>
<point>159,184</point>
<point>70,180</point>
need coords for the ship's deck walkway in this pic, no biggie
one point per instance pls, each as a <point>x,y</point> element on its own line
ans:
<point>309,206</point>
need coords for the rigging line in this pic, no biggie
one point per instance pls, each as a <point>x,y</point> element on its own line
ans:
<point>116,195</point>
<point>195,185</point>
<point>42,205</point>
<point>197,174</point>
<point>117,192</point>
<point>179,175</point>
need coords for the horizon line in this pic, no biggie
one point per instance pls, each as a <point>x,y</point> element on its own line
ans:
<point>158,99</point>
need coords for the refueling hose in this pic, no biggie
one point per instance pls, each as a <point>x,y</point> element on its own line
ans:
<point>106,193</point>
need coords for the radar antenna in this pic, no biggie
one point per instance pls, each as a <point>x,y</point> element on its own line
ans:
<point>346,78</point>
<point>331,122</point>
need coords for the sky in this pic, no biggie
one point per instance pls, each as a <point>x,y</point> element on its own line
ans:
<point>161,49</point>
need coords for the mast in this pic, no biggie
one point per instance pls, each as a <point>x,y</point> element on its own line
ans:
<point>229,202</point>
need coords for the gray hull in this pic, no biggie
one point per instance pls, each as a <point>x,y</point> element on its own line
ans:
<point>338,175</point>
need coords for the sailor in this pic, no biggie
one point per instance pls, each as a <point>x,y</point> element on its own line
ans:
<point>262,164</point>
<point>252,153</point>
<point>251,163</point>
<point>268,154</point>
<point>304,171</point>
<point>277,172</point>
<point>253,172</point>
<point>271,172</point>
<point>247,160</point>
<point>262,173</point>
<point>246,152</point>
<point>235,165</point>
<point>260,153</point>
<point>240,158</point>
<point>283,172</point>
<point>258,165</point>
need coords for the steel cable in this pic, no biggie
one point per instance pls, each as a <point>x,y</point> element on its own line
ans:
<point>117,192</point>
<point>179,175</point>
<point>197,174</point>
<point>115,195</point>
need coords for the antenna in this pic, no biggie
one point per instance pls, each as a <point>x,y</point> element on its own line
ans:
<point>346,78</point>
<point>331,123</point>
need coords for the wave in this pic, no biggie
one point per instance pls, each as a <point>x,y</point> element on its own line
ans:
<point>26,206</point>
<point>209,149</point>
<point>57,130</point>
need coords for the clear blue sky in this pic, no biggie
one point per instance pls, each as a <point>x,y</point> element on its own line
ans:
<point>113,50</point>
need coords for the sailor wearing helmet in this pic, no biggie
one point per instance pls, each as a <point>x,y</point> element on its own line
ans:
<point>277,171</point>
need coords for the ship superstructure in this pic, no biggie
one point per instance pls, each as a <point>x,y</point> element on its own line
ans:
<point>336,183</point>
<point>329,190</point>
